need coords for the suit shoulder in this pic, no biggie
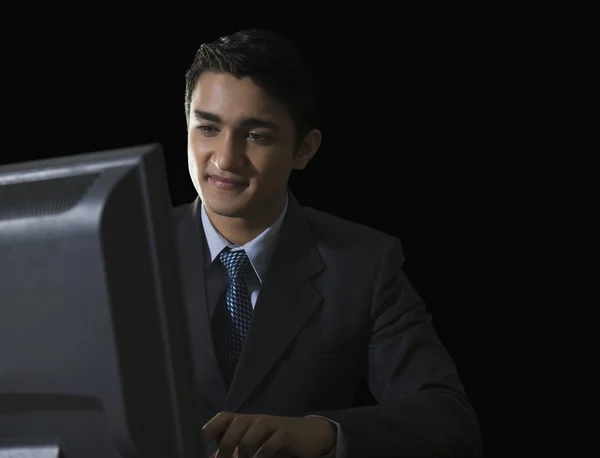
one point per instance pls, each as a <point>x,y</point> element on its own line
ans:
<point>327,226</point>
<point>178,211</point>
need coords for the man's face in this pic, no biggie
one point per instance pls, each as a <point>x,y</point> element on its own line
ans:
<point>241,147</point>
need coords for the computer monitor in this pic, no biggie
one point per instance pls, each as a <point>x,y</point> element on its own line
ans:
<point>93,349</point>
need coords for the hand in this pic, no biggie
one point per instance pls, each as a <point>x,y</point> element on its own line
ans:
<point>270,436</point>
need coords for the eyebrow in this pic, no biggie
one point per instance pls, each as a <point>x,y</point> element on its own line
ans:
<point>248,123</point>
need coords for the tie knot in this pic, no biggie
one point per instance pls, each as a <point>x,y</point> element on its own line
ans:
<point>236,262</point>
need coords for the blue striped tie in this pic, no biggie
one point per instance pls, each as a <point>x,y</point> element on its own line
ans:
<point>235,327</point>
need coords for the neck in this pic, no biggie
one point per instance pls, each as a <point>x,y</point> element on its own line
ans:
<point>241,230</point>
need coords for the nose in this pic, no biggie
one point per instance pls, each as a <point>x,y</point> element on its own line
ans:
<point>229,153</point>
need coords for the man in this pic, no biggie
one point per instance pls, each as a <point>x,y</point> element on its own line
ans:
<point>293,310</point>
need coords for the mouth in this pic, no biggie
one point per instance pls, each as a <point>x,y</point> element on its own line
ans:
<point>226,183</point>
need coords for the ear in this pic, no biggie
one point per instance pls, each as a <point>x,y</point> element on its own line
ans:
<point>308,148</point>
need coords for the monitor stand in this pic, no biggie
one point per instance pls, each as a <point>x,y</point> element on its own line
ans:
<point>31,451</point>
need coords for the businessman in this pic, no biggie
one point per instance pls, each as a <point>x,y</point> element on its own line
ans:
<point>294,312</point>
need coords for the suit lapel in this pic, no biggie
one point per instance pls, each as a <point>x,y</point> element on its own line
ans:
<point>286,300</point>
<point>192,251</point>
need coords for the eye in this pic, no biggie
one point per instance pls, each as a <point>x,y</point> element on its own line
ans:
<point>258,137</point>
<point>207,129</point>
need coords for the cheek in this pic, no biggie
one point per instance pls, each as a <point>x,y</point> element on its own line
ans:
<point>198,153</point>
<point>193,169</point>
<point>197,145</point>
<point>192,158</point>
<point>195,163</point>
<point>273,167</point>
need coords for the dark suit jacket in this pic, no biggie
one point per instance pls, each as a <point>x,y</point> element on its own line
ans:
<point>335,314</point>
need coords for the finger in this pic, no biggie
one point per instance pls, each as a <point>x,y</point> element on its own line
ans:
<point>257,434</point>
<point>233,436</point>
<point>217,425</point>
<point>274,446</point>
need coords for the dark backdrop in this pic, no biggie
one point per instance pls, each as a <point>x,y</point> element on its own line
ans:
<point>413,138</point>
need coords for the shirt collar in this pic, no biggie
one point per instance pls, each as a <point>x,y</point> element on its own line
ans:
<point>259,250</point>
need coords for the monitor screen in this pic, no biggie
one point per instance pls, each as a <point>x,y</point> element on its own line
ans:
<point>93,349</point>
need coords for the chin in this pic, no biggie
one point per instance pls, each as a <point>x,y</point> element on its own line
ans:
<point>225,207</point>
<point>229,211</point>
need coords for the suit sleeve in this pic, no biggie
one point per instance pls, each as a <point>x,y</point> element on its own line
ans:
<point>422,409</point>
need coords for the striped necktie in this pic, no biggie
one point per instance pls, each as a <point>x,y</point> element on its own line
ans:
<point>232,327</point>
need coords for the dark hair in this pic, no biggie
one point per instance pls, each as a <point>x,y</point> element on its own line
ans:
<point>271,61</point>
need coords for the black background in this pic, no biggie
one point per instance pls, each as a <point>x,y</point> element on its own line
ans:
<point>417,136</point>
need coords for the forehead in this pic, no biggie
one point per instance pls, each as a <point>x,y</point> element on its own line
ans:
<point>231,99</point>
